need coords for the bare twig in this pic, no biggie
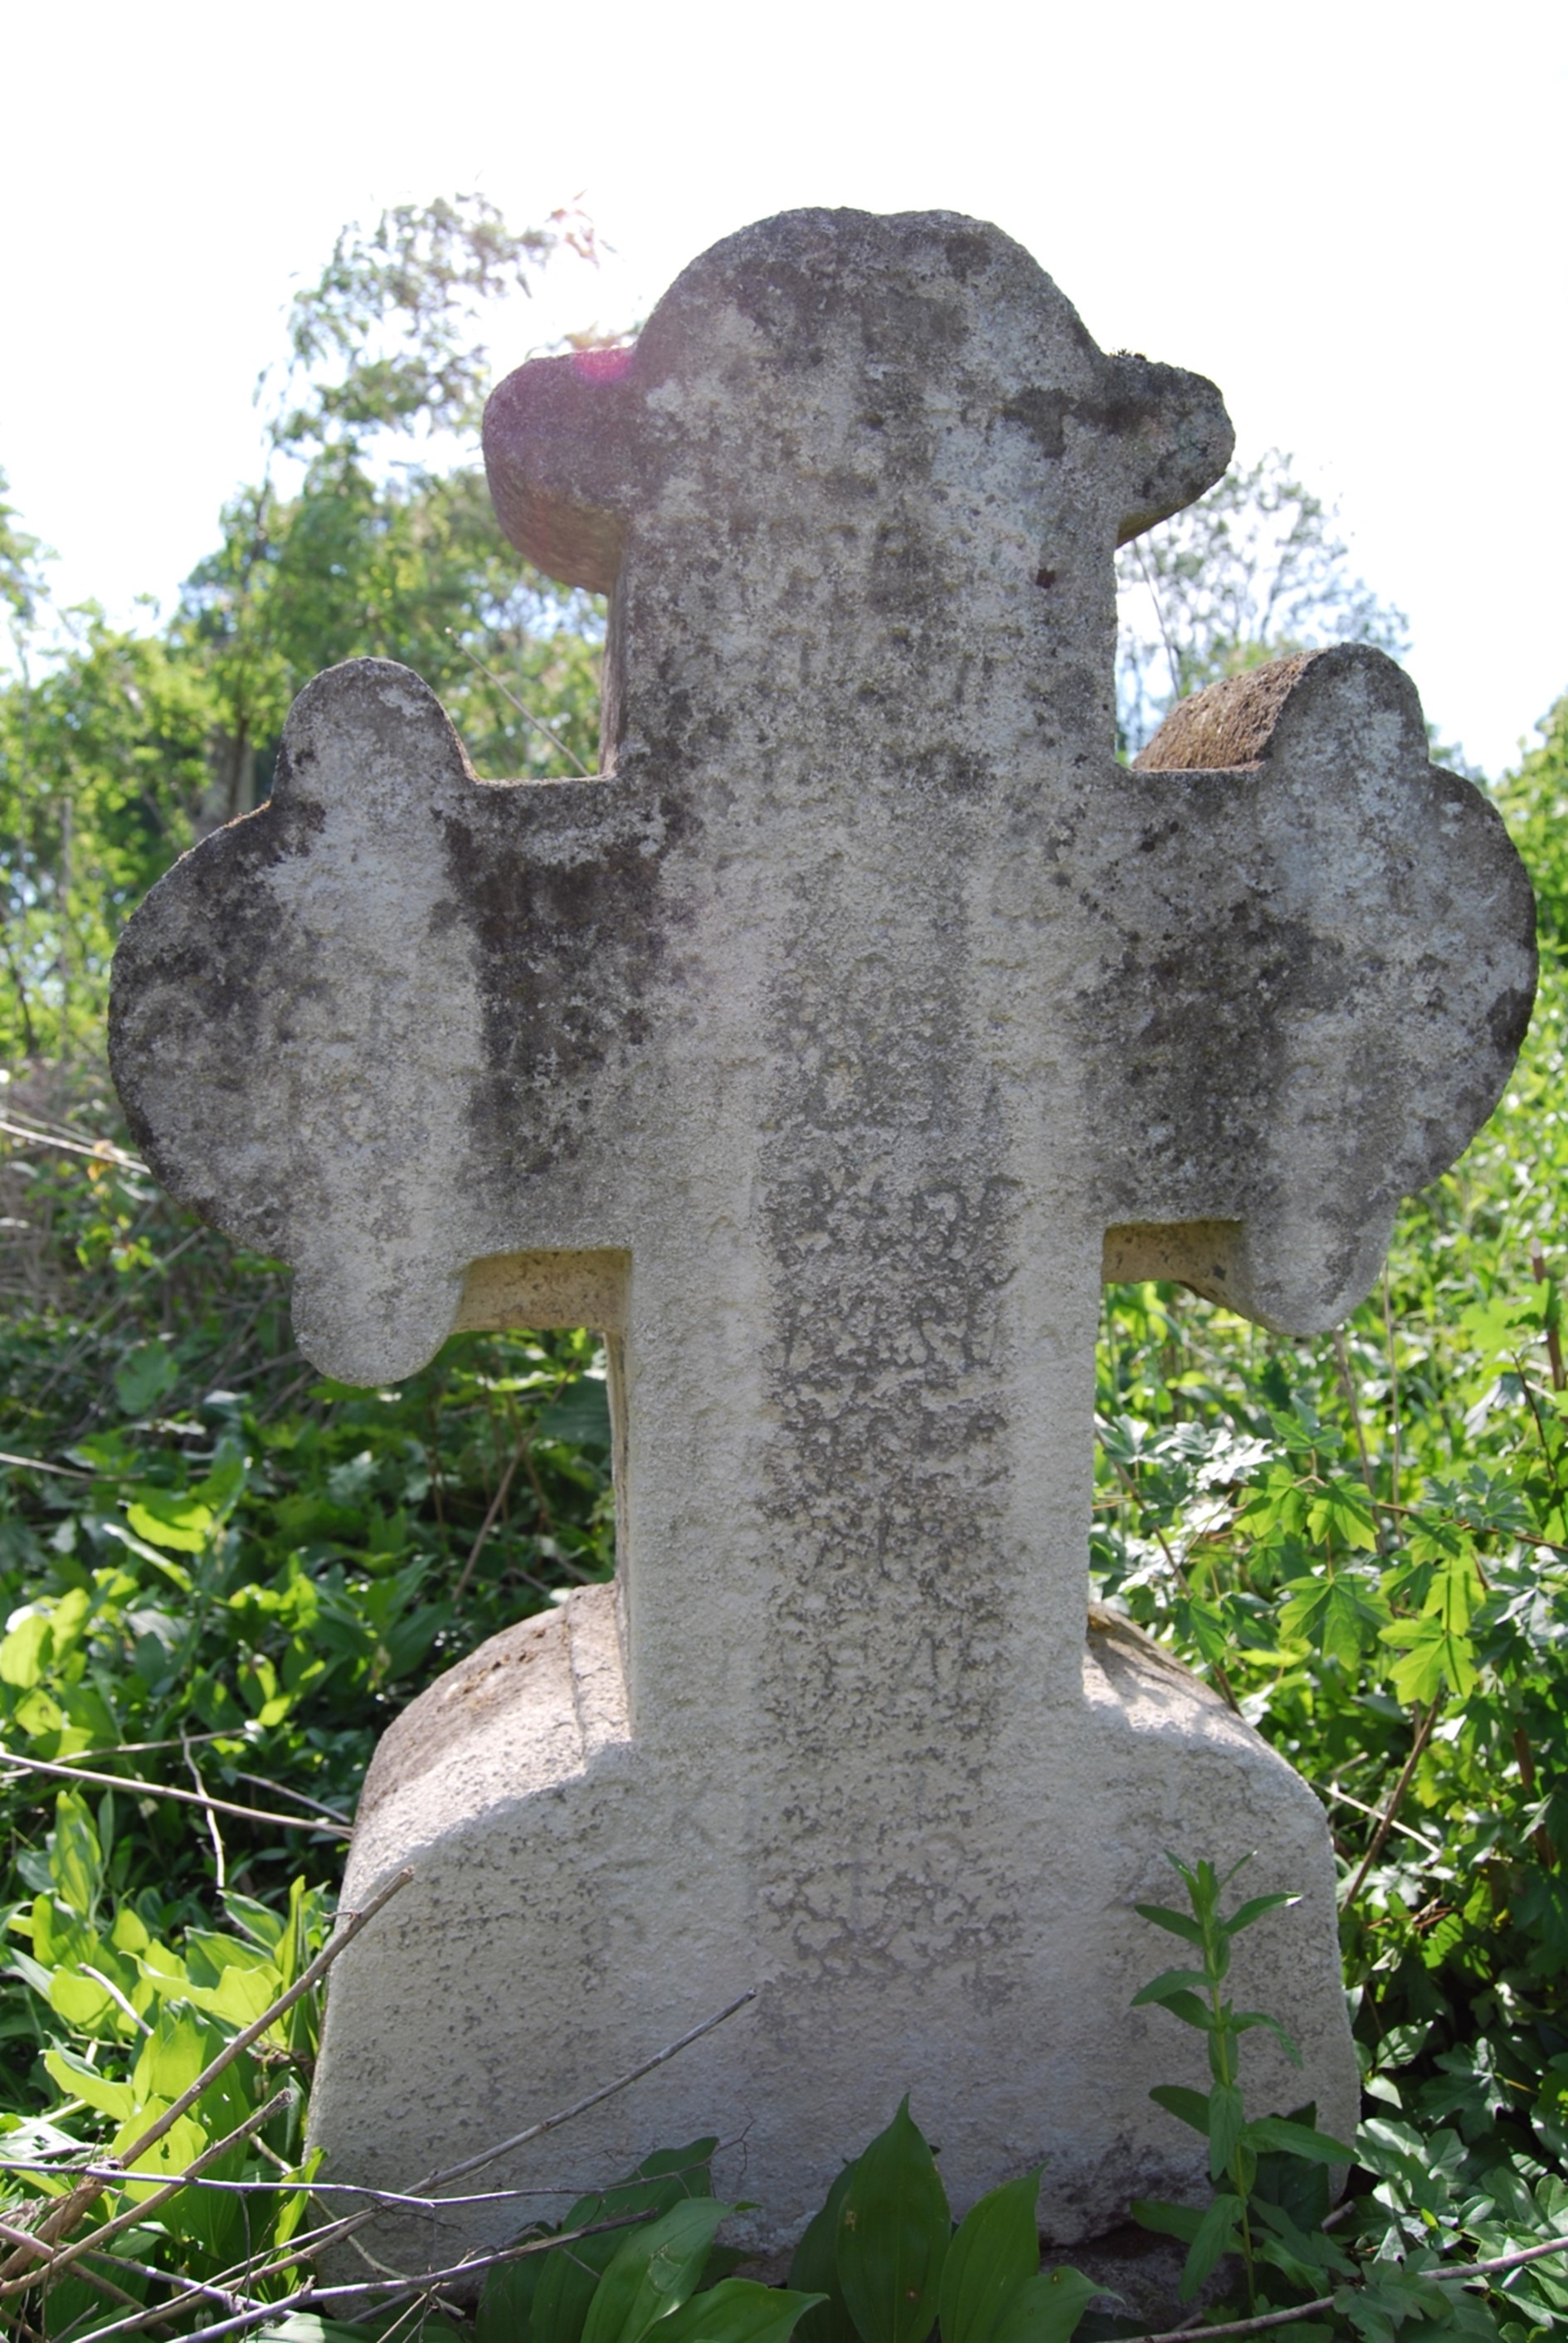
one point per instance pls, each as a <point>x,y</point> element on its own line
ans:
<point>282,1790</point>
<point>1553,1345</point>
<point>1259,2326</point>
<point>1380,1837</point>
<point>1338,1798</point>
<point>1170,658</point>
<point>1450,2273</point>
<point>37,1464</point>
<point>609,2090</point>
<point>25,2238</point>
<point>497,1502</point>
<point>86,2194</point>
<point>332,2232</point>
<point>66,2257</point>
<point>137,1788</point>
<point>224,2296</point>
<point>113,1990</point>
<point>134,1748</point>
<point>525,713</point>
<point>220,1859</point>
<point>100,1153</point>
<point>387,2199</point>
<point>307,2296</point>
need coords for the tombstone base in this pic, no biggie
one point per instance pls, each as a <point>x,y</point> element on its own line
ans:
<point>579,1902</point>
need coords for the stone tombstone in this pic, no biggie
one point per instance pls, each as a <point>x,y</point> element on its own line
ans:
<point>825,1051</point>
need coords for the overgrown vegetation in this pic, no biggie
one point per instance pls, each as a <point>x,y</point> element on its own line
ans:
<point>223,1575</point>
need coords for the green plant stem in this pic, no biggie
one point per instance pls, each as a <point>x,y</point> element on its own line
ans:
<point>1225,2040</point>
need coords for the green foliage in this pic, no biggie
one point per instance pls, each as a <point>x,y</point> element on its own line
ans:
<point>638,2255</point>
<point>1419,2227</point>
<point>887,2264</point>
<point>217,1547</point>
<point>1535,801</point>
<point>133,2009</point>
<point>22,581</point>
<point>224,1575</point>
<point>1236,2147</point>
<point>387,337</point>
<point>117,748</point>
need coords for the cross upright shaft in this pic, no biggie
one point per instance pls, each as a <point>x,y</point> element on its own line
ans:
<point>829,1040</point>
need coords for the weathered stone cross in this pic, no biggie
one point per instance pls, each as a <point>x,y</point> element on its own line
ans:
<point>822,1052</point>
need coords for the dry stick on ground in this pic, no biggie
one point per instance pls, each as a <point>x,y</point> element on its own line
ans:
<point>67,2257</point>
<point>23,2237</point>
<point>333,2232</point>
<point>304,2298</point>
<point>282,1790</point>
<point>136,1788</point>
<point>1391,1811</point>
<point>87,2193</point>
<point>1460,2272</point>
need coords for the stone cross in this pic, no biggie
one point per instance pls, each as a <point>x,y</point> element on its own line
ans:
<point>824,1052</point>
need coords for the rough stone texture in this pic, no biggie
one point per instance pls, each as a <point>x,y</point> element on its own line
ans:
<point>824,1052</point>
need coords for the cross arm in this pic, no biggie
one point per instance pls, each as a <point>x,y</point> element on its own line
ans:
<point>1322,970</point>
<point>365,1029</point>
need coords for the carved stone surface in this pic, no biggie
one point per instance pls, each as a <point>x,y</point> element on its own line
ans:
<point>822,1052</point>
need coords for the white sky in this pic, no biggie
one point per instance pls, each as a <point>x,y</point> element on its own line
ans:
<point>1350,215</point>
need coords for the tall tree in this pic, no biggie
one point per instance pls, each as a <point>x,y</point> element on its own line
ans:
<point>373,550</point>
<point>370,533</point>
